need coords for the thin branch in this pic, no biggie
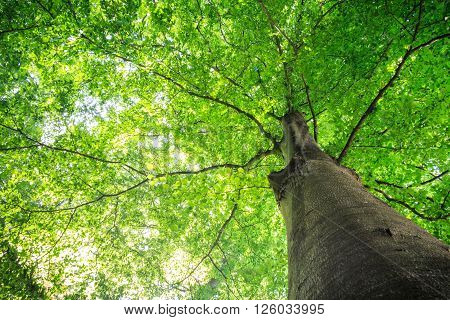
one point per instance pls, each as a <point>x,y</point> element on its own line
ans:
<point>72,215</point>
<point>45,9</point>
<point>18,29</point>
<point>382,91</point>
<point>213,245</point>
<point>223,275</point>
<point>317,114</point>
<point>326,13</point>
<point>395,149</point>
<point>273,115</point>
<point>419,20</point>
<point>412,184</point>
<point>99,198</point>
<point>275,26</point>
<point>410,208</point>
<point>287,70</point>
<point>18,147</point>
<point>72,10</point>
<point>431,41</point>
<point>311,109</point>
<point>233,81</point>
<point>288,86</point>
<point>434,178</point>
<point>383,55</point>
<point>225,259</point>
<point>444,201</point>
<point>238,110</point>
<point>389,184</point>
<point>221,27</point>
<point>81,154</point>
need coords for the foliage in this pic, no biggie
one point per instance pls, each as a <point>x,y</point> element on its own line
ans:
<point>136,136</point>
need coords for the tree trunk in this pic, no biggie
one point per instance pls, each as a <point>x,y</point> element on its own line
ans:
<point>343,243</point>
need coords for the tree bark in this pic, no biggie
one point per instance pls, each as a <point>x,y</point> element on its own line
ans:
<point>343,243</point>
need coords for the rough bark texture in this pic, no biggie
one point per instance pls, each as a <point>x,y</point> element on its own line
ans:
<point>343,243</point>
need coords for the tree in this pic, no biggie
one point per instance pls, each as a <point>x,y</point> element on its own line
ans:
<point>137,137</point>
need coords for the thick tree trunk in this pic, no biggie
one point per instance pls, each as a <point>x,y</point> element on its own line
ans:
<point>343,243</point>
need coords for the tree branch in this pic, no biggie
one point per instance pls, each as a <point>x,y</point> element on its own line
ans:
<point>190,92</point>
<point>410,208</point>
<point>382,91</point>
<point>319,21</point>
<point>434,178</point>
<point>412,184</point>
<point>72,215</point>
<point>238,110</point>
<point>389,184</point>
<point>256,157</point>
<point>233,81</point>
<point>18,147</point>
<point>45,9</point>
<point>223,275</point>
<point>274,26</point>
<point>2,32</point>
<point>81,154</point>
<point>213,245</point>
<point>311,109</point>
<point>430,42</point>
<point>286,68</point>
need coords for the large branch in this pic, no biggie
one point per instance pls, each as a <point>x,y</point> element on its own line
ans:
<point>256,157</point>
<point>383,90</point>
<point>189,91</point>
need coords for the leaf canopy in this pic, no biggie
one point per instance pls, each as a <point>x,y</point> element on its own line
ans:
<point>136,136</point>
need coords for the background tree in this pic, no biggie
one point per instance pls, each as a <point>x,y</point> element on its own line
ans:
<point>137,136</point>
